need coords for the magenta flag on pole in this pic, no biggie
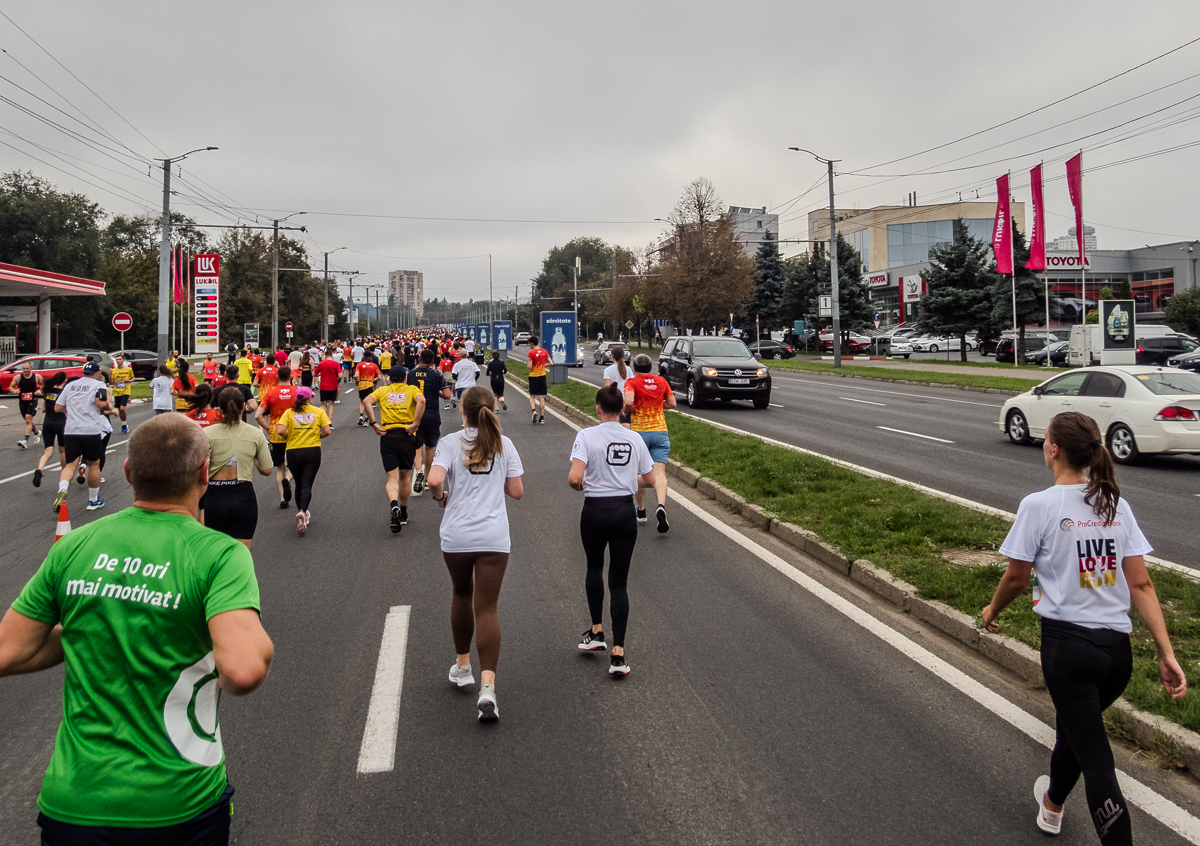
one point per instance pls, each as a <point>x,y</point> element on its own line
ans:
<point>1002,231</point>
<point>1075,186</point>
<point>1037,238</point>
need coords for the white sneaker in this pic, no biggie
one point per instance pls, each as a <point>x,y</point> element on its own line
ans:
<point>1047,820</point>
<point>461,676</point>
<point>488,710</point>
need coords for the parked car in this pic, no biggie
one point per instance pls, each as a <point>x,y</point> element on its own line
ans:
<point>1058,355</point>
<point>900,347</point>
<point>143,362</point>
<point>520,338</point>
<point>1188,361</point>
<point>43,365</point>
<point>1157,351</point>
<point>704,368</point>
<point>1138,409</point>
<point>1005,349</point>
<point>603,353</point>
<point>940,343</point>
<point>767,348</point>
<point>857,343</point>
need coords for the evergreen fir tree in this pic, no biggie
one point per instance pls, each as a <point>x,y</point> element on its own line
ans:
<point>1030,294</point>
<point>958,283</point>
<point>769,291</point>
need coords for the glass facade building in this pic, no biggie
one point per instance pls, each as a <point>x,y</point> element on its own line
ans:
<point>910,243</point>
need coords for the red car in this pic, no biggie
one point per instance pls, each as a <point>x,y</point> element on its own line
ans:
<point>855,343</point>
<point>44,366</point>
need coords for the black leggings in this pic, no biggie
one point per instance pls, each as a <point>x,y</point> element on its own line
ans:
<point>304,464</point>
<point>1085,671</point>
<point>498,387</point>
<point>608,521</point>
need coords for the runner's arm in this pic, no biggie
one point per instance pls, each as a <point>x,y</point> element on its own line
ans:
<point>575,477</point>
<point>669,401</point>
<point>28,645</point>
<point>514,487</point>
<point>1145,600</point>
<point>418,413</point>
<point>646,480</point>
<point>1012,584</point>
<point>242,650</point>
<point>629,398</point>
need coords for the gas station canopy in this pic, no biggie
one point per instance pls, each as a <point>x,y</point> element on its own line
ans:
<point>17,281</point>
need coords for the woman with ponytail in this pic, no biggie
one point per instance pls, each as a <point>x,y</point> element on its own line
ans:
<point>1083,544</point>
<point>199,406</point>
<point>473,469</point>
<point>235,450</point>
<point>302,427</point>
<point>616,374</point>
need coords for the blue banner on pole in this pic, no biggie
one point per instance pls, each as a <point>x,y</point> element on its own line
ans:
<point>483,334</point>
<point>559,335</point>
<point>502,334</point>
<point>661,323</point>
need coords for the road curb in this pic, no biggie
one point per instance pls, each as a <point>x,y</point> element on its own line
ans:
<point>1147,730</point>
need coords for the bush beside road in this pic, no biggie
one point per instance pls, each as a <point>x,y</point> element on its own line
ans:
<point>906,533</point>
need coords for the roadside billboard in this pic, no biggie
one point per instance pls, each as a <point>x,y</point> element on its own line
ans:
<point>558,335</point>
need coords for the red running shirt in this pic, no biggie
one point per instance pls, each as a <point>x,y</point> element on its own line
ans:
<point>649,391</point>
<point>538,358</point>
<point>329,372</point>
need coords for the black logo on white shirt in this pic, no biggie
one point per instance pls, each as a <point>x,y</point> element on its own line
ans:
<point>618,454</point>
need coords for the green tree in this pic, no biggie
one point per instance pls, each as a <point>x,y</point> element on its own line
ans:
<point>1030,294</point>
<point>801,286</point>
<point>704,275</point>
<point>1183,312</point>
<point>854,297</point>
<point>958,287</point>
<point>1125,292</point>
<point>47,229</point>
<point>767,302</point>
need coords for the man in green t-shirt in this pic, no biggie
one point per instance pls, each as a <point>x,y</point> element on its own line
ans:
<point>153,616</point>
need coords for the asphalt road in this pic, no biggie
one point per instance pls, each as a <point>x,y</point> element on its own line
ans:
<point>948,440</point>
<point>763,707</point>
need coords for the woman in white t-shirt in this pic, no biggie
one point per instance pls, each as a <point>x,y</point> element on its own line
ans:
<point>609,463</point>
<point>1083,544</point>
<point>616,374</point>
<point>160,390</point>
<point>473,470</point>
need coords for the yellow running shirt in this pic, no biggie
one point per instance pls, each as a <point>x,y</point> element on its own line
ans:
<point>122,378</point>
<point>304,429</point>
<point>397,404</point>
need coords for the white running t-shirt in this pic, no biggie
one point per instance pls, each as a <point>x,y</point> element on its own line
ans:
<point>1076,557</point>
<point>611,372</point>
<point>79,397</point>
<point>465,373</point>
<point>475,519</point>
<point>614,456</point>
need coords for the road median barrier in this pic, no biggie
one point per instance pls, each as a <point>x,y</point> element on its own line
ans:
<point>909,534</point>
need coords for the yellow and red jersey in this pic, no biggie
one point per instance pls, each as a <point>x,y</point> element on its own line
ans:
<point>538,359</point>
<point>276,401</point>
<point>649,392</point>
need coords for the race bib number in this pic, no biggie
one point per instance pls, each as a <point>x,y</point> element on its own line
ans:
<point>120,386</point>
<point>26,397</point>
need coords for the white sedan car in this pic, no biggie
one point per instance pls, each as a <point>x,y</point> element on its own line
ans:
<point>940,343</point>
<point>900,347</point>
<point>1138,409</point>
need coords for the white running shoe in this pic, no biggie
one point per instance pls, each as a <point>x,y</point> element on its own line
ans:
<point>461,676</point>
<point>488,709</point>
<point>301,524</point>
<point>1047,820</point>
<point>617,666</point>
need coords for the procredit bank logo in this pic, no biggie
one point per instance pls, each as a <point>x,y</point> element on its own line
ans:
<point>1066,524</point>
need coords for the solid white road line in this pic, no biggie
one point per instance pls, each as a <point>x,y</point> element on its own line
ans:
<point>1159,807</point>
<point>378,752</point>
<point>54,466</point>
<point>914,434</point>
<point>864,402</point>
<point>773,405</point>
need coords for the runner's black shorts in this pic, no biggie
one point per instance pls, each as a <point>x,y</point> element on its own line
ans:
<point>537,386</point>
<point>278,453</point>
<point>498,387</point>
<point>211,826</point>
<point>28,407</point>
<point>88,447</point>
<point>398,449</point>
<point>363,393</point>
<point>329,396</point>
<point>429,433</point>
<point>52,430</point>
<point>231,507</point>
<point>121,401</point>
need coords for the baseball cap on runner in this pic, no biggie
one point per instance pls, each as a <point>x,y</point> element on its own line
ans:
<point>398,372</point>
<point>305,393</point>
<point>90,368</point>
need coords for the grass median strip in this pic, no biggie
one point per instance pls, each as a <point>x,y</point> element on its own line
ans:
<point>906,533</point>
<point>1015,384</point>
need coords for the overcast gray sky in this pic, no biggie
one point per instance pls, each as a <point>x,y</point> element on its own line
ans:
<point>590,119</point>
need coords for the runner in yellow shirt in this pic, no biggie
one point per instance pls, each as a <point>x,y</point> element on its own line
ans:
<point>401,407</point>
<point>303,425</point>
<point>122,381</point>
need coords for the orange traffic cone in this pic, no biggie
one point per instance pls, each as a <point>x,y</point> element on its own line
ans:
<point>64,523</point>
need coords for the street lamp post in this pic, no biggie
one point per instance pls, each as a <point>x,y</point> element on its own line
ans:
<point>833,261</point>
<point>164,255</point>
<point>325,312</point>
<point>275,285</point>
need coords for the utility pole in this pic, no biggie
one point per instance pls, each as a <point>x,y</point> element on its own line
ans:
<point>490,316</point>
<point>576,276</point>
<point>275,283</point>
<point>164,257</point>
<point>833,264</point>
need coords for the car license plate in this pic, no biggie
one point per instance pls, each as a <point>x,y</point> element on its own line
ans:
<point>739,381</point>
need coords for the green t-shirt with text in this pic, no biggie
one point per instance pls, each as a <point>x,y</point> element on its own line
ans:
<point>140,743</point>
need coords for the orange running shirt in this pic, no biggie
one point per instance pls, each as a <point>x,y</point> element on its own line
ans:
<point>268,377</point>
<point>205,418</point>
<point>276,401</point>
<point>649,391</point>
<point>367,373</point>
<point>538,358</point>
